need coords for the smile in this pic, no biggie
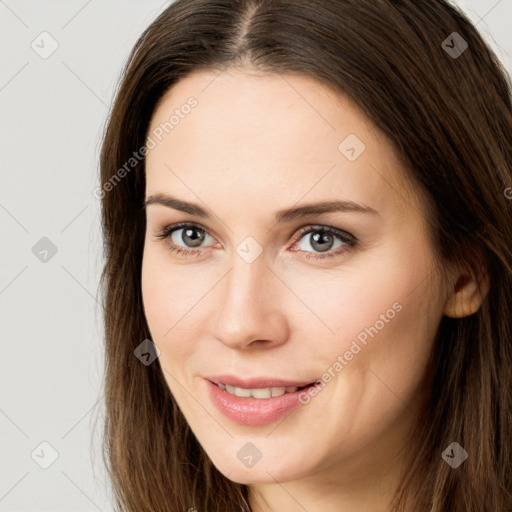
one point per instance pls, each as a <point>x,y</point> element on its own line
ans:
<point>258,392</point>
<point>257,405</point>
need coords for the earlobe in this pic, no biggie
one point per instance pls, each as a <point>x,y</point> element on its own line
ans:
<point>468,294</point>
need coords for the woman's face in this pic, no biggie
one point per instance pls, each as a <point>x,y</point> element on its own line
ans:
<point>348,297</point>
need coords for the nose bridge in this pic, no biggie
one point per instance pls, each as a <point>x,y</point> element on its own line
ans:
<point>248,306</point>
<point>246,284</point>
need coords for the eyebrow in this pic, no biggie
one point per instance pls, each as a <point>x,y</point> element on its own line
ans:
<point>282,216</point>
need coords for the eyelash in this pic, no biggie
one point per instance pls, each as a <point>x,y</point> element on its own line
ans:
<point>347,238</point>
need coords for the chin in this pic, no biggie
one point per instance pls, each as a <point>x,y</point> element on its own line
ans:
<point>237,468</point>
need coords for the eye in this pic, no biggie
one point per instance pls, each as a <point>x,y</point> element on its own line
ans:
<point>323,240</point>
<point>191,235</point>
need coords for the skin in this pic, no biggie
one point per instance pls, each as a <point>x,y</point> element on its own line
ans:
<point>257,143</point>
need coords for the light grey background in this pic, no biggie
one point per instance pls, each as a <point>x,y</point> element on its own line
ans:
<point>52,115</point>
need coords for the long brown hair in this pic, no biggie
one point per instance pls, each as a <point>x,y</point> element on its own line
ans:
<point>446,109</point>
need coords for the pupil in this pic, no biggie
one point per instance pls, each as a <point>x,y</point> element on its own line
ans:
<point>193,241</point>
<point>322,238</point>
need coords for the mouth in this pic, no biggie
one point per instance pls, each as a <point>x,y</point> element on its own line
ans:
<point>260,388</point>
<point>260,393</point>
<point>255,402</point>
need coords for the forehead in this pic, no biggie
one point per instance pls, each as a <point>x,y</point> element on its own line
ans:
<point>267,134</point>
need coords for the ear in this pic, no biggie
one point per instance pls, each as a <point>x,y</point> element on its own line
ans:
<point>468,293</point>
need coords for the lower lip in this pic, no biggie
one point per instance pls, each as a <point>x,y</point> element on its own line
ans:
<point>252,411</point>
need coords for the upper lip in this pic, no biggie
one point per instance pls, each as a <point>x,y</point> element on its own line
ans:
<point>257,382</point>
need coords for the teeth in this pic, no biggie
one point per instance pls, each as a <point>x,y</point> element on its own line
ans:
<point>261,393</point>
<point>244,393</point>
<point>257,393</point>
<point>278,391</point>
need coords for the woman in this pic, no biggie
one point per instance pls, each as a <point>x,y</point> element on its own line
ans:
<point>307,221</point>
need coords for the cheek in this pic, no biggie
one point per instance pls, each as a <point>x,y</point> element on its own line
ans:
<point>156,295</point>
<point>338,304</point>
<point>175,299</point>
<point>380,313</point>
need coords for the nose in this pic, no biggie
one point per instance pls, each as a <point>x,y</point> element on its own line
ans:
<point>250,309</point>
